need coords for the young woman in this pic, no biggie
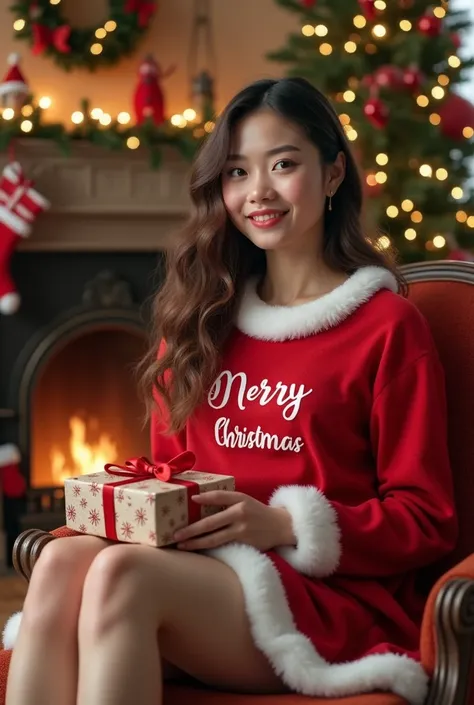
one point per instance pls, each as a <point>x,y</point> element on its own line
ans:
<point>285,356</point>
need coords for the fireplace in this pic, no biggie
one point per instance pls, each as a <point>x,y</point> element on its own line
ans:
<point>68,387</point>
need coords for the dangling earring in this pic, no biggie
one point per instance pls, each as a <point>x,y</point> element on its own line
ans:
<point>330,201</point>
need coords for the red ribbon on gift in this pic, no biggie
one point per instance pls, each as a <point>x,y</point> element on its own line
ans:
<point>44,37</point>
<point>145,10</point>
<point>141,469</point>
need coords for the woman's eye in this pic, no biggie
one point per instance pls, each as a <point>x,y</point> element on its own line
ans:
<point>236,172</point>
<point>283,164</point>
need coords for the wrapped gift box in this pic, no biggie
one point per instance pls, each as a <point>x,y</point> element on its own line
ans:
<point>140,502</point>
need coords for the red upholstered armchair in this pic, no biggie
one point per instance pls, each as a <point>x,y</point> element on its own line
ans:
<point>444,292</point>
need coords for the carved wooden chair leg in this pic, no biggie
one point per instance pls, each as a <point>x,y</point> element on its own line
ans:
<point>27,549</point>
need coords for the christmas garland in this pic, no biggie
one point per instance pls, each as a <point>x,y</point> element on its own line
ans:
<point>43,25</point>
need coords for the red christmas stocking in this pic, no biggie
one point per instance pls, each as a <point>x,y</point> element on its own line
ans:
<point>11,479</point>
<point>20,204</point>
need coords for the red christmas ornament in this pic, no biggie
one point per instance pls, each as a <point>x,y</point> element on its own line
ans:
<point>456,40</point>
<point>430,25</point>
<point>148,98</point>
<point>456,113</point>
<point>368,8</point>
<point>308,4</point>
<point>413,79</point>
<point>145,9</point>
<point>376,112</point>
<point>388,77</point>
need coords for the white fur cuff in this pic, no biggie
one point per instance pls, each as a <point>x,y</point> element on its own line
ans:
<point>315,526</point>
<point>10,630</point>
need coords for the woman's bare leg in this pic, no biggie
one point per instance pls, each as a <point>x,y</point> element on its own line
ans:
<point>194,602</point>
<point>43,668</point>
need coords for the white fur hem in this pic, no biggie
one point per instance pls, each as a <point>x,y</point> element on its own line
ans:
<point>265,322</point>
<point>315,527</point>
<point>9,454</point>
<point>293,655</point>
<point>10,631</point>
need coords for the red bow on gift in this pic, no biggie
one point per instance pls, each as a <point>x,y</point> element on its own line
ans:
<point>143,468</point>
<point>144,9</point>
<point>44,37</point>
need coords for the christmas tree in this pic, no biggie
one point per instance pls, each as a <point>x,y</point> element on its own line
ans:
<point>391,68</point>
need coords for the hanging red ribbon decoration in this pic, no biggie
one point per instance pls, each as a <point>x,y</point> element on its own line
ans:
<point>145,9</point>
<point>44,37</point>
<point>140,470</point>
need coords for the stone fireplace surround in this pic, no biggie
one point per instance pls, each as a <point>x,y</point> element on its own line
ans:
<point>110,220</point>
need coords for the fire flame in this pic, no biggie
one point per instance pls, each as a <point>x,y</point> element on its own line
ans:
<point>86,457</point>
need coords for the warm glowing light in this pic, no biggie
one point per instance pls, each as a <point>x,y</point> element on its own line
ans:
<point>359,21</point>
<point>410,234</point>
<point>379,31</point>
<point>461,216</point>
<point>457,193</point>
<point>54,2</point>
<point>189,114</point>
<point>133,142</point>
<point>325,49</point>
<point>349,96</point>
<point>468,132</point>
<point>392,211</point>
<point>384,242</point>
<point>96,113</point>
<point>441,174</point>
<point>435,119</point>
<point>405,25</point>
<point>105,119</point>
<point>8,114</point>
<point>426,171</point>
<point>101,33</point>
<point>382,159</point>
<point>381,177</point>
<point>96,49</point>
<point>86,457</point>
<point>77,117</point>
<point>416,217</point>
<point>27,110</point>
<point>45,102</point>
<point>344,119</point>
<point>110,26</point>
<point>371,180</point>
<point>438,92</point>
<point>470,221</point>
<point>307,30</point>
<point>422,101</point>
<point>443,80</point>
<point>439,12</point>
<point>18,25</point>
<point>209,126</point>
<point>439,241</point>
<point>123,118</point>
<point>407,205</point>
<point>371,48</point>
<point>26,126</point>
<point>321,30</point>
<point>178,120</point>
<point>350,47</point>
<point>454,61</point>
<point>380,5</point>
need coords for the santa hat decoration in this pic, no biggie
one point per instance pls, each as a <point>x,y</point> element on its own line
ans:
<point>13,89</point>
<point>11,479</point>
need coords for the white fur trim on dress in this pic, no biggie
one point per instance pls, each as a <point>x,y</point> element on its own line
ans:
<point>9,454</point>
<point>314,520</point>
<point>293,655</point>
<point>265,322</point>
<point>10,630</point>
<point>14,222</point>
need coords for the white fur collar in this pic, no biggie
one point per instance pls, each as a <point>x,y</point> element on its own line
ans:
<point>265,322</point>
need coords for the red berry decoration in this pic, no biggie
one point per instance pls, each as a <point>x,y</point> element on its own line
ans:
<point>430,25</point>
<point>388,77</point>
<point>376,112</point>
<point>308,4</point>
<point>368,8</point>
<point>413,79</point>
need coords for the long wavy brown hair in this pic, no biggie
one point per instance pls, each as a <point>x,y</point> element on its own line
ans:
<point>206,270</point>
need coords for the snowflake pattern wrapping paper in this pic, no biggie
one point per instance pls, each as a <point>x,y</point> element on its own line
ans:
<point>146,512</point>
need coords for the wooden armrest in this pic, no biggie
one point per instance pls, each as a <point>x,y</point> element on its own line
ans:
<point>29,544</point>
<point>447,639</point>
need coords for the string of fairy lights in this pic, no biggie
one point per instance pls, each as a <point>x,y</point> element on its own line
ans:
<point>378,174</point>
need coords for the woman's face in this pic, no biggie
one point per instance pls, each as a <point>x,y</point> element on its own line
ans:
<point>274,185</point>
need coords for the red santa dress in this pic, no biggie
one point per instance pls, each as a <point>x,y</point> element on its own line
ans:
<point>335,410</point>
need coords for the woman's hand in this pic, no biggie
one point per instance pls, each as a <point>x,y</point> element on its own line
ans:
<point>245,520</point>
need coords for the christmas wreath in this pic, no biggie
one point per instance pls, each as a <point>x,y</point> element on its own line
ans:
<point>43,25</point>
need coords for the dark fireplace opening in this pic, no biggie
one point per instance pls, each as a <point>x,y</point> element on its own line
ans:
<point>68,387</point>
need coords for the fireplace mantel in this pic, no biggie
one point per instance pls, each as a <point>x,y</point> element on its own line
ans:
<point>103,200</point>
